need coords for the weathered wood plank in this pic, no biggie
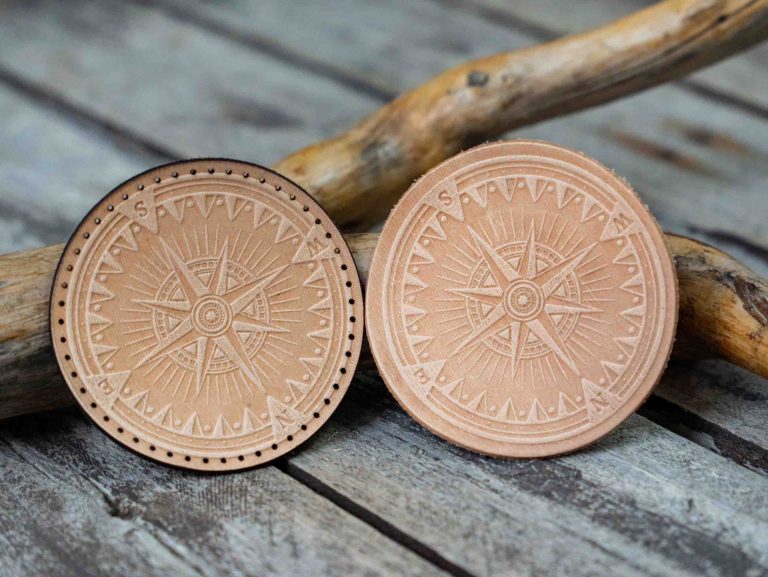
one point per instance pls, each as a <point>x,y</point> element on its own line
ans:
<point>438,29</point>
<point>92,509</point>
<point>683,135</point>
<point>717,405</point>
<point>743,79</point>
<point>710,189</point>
<point>394,45</point>
<point>196,93</point>
<point>643,501</point>
<point>52,171</point>
<point>61,525</point>
<point>603,521</point>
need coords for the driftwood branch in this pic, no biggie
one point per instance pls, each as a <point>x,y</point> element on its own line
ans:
<point>723,307</point>
<point>723,313</point>
<point>360,174</point>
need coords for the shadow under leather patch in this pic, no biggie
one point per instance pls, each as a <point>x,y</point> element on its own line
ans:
<point>521,300</point>
<point>207,314</point>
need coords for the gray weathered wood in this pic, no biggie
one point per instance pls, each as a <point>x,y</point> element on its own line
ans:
<point>643,501</point>
<point>688,398</point>
<point>53,171</point>
<point>72,504</point>
<point>168,82</point>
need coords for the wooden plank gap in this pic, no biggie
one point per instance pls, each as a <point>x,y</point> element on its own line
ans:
<point>370,518</point>
<point>705,433</point>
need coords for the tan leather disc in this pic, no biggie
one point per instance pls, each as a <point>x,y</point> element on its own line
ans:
<point>521,300</point>
<point>207,314</point>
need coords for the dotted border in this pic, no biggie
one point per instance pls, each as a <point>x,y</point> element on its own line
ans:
<point>58,329</point>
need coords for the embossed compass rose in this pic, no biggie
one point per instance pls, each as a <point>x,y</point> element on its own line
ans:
<point>211,316</point>
<point>207,314</point>
<point>524,300</point>
<point>521,300</point>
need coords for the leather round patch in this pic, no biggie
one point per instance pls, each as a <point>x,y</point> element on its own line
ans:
<point>521,300</point>
<point>207,314</point>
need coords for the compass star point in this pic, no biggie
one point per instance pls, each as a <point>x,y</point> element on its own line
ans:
<point>519,337</point>
<point>244,323</point>
<point>239,297</point>
<point>173,308</point>
<point>488,295</point>
<point>543,327</point>
<point>523,323</point>
<point>235,300</point>
<point>192,286</point>
<point>218,282</point>
<point>231,344</point>
<point>551,278</point>
<point>492,323</point>
<point>527,265</point>
<point>502,271</point>
<point>558,305</point>
<point>205,352</point>
<point>183,335</point>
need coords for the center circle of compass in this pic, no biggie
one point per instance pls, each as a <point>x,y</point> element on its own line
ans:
<point>523,300</point>
<point>212,316</point>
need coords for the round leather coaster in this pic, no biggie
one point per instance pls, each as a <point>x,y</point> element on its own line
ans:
<point>207,314</point>
<point>521,300</point>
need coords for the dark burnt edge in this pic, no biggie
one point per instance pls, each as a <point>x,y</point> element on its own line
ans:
<point>705,433</point>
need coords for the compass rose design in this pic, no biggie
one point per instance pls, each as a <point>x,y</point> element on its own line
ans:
<point>210,316</point>
<point>524,300</point>
<point>520,300</point>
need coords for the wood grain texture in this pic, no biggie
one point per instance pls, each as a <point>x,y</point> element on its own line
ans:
<point>742,81</point>
<point>40,146</point>
<point>723,308</point>
<point>678,149</point>
<point>188,93</point>
<point>72,505</point>
<point>635,511</point>
<point>641,501</point>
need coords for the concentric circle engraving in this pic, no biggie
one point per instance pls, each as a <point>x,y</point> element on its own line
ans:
<point>521,300</point>
<point>208,308</point>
